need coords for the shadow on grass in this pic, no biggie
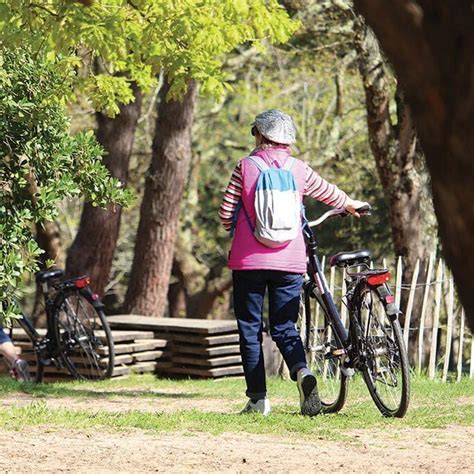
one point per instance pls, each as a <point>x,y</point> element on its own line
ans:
<point>8,386</point>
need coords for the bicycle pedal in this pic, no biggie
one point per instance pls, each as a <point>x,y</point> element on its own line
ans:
<point>338,352</point>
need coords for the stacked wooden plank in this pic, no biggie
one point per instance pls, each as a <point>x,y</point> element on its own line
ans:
<point>197,347</point>
<point>135,352</point>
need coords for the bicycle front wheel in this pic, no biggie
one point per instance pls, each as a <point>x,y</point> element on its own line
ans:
<point>84,335</point>
<point>386,371</point>
<point>322,353</point>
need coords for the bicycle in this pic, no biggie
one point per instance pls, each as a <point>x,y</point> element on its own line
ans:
<point>78,336</point>
<point>373,343</point>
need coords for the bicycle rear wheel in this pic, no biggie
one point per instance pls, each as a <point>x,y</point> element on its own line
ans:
<point>386,371</point>
<point>27,353</point>
<point>320,347</point>
<point>85,337</point>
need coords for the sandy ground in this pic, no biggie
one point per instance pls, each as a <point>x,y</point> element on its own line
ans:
<point>162,402</point>
<point>53,450</point>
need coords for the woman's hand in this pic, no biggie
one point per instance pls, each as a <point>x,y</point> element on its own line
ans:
<point>352,205</point>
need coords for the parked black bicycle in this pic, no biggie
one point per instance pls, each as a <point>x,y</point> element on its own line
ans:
<point>372,344</point>
<point>78,337</point>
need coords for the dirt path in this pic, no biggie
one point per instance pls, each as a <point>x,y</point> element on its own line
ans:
<point>166,402</point>
<point>58,450</point>
<point>52,449</point>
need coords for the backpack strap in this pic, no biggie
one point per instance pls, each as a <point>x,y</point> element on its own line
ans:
<point>240,206</point>
<point>258,162</point>
<point>289,163</point>
<point>262,165</point>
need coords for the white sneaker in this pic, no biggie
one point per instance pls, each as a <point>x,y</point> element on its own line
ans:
<point>309,399</point>
<point>260,406</point>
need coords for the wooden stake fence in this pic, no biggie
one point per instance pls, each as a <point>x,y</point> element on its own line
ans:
<point>411,299</point>
<point>437,333</point>
<point>449,335</point>
<point>421,329</point>
<point>434,333</point>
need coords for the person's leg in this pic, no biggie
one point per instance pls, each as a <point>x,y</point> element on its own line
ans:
<point>249,291</point>
<point>7,350</point>
<point>284,291</point>
<point>18,367</point>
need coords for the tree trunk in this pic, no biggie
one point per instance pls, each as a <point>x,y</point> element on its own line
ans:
<point>396,155</point>
<point>201,304</point>
<point>159,213</point>
<point>93,248</point>
<point>177,292</point>
<point>431,46</point>
<point>196,288</point>
<point>49,239</point>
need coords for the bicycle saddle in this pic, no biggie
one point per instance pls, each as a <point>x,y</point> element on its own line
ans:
<point>46,275</point>
<point>346,259</point>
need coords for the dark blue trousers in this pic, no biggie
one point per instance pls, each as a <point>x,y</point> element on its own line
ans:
<point>284,291</point>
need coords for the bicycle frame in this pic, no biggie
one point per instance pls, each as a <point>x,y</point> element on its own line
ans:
<point>372,344</point>
<point>48,346</point>
<point>318,280</point>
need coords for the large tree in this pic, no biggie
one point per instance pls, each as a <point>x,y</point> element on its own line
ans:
<point>132,43</point>
<point>40,163</point>
<point>431,47</point>
<point>164,184</point>
<point>212,30</point>
<point>93,248</point>
<point>398,157</point>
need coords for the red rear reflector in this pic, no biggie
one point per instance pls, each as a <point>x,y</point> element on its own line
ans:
<point>82,282</point>
<point>389,299</point>
<point>375,280</point>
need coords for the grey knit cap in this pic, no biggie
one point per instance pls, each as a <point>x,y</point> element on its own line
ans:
<point>276,126</point>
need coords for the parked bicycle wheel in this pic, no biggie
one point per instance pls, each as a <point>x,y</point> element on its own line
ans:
<point>83,332</point>
<point>386,370</point>
<point>38,367</point>
<point>321,354</point>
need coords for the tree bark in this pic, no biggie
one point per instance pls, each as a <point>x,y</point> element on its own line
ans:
<point>159,213</point>
<point>431,46</point>
<point>93,248</point>
<point>49,239</point>
<point>396,154</point>
<point>196,288</point>
<point>177,292</point>
<point>201,304</point>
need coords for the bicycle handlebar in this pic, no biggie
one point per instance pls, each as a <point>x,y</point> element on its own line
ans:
<point>363,211</point>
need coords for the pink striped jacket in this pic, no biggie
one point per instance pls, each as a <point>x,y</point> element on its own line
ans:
<point>246,252</point>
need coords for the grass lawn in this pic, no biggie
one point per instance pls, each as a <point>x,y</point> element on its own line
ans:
<point>433,405</point>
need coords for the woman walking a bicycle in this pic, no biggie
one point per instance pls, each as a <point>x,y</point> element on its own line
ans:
<point>262,207</point>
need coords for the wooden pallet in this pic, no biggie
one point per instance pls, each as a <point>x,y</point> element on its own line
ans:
<point>135,352</point>
<point>169,347</point>
<point>118,336</point>
<point>197,347</point>
<point>204,373</point>
<point>172,325</point>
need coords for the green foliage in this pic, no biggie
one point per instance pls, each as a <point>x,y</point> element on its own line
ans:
<point>41,163</point>
<point>136,40</point>
<point>335,147</point>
